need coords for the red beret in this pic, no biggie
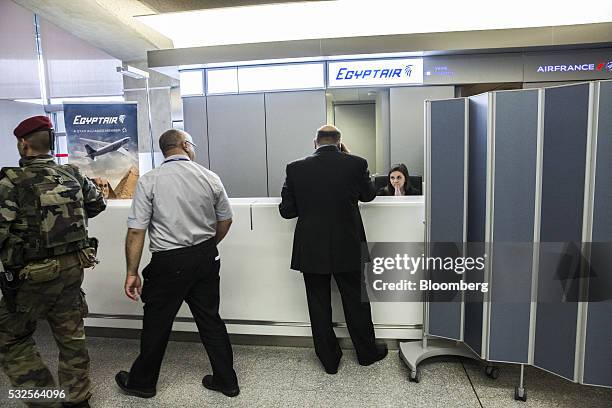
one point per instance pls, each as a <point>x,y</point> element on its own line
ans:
<point>32,125</point>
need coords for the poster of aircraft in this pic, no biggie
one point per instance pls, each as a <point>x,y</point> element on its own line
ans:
<point>105,147</point>
<point>102,140</point>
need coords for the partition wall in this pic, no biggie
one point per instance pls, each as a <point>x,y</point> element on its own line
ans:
<point>523,178</point>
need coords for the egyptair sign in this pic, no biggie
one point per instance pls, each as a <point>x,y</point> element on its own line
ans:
<point>408,71</point>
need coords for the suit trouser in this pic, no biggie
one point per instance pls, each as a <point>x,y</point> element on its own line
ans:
<point>357,315</point>
<point>191,275</point>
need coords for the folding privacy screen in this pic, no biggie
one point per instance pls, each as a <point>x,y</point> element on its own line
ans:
<point>524,178</point>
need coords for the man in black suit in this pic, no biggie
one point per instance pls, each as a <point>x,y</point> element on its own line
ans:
<point>323,191</point>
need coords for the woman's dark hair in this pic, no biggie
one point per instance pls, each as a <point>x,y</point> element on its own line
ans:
<point>402,169</point>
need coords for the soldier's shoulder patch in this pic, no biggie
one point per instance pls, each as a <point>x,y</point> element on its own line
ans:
<point>11,173</point>
<point>5,182</point>
<point>73,169</point>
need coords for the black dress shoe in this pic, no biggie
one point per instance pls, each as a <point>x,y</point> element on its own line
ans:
<point>334,368</point>
<point>330,371</point>
<point>122,381</point>
<point>209,382</point>
<point>383,351</point>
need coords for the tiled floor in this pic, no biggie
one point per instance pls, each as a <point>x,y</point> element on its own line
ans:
<point>292,377</point>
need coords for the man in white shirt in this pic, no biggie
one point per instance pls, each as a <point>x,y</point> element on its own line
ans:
<point>185,208</point>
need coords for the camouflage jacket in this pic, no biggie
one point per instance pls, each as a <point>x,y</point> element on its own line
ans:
<point>44,209</point>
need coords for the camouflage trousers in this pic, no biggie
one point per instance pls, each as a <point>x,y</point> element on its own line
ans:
<point>61,302</point>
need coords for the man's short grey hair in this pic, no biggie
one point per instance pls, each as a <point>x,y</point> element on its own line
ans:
<point>171,139</point>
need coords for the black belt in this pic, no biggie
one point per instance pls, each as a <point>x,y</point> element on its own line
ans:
<point>202,246</point>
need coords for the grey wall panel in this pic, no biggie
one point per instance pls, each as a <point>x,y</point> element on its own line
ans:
<point>357,122</point>
<point>510,301</point>
<point>598,354</point>
<point>447,170</point>
<point>77,68</point>
<point>383,153</point>
<point>565,131</point>
<point>509,332</point>
<point>446,206</point>
<point>196,124</point>
<point>563,172</point>
<point>555,342</point>
<point>18,57</point>
<point>292,119</point>
<point>406,123</point>
<point>237,143</point>
<point>516,127</point>
<point>11,113</point>
<point>602,208</point>
<point>161,119</point>
<point>477,169</point>
<point>515,134</point>
<point>445,319</point>
<point>477,189</point>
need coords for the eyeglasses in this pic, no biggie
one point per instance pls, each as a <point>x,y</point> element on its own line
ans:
<point>191,143</point>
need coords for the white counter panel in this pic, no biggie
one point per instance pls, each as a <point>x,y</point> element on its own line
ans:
<point>259,293</point>
<point>103,285</point>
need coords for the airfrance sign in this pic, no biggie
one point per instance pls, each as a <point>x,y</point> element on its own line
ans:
<point>568,66</point>
<point>598,67</point>
<point>376,72</point>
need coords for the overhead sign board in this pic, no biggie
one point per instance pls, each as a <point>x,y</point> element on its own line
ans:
<point>578,65</point>
<point>472,69</point>
<point>379,72</point>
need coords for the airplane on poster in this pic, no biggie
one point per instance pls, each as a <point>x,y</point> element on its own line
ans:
<point>106,147</point>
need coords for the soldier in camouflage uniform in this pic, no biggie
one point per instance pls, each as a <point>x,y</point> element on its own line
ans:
<point>44,245</point>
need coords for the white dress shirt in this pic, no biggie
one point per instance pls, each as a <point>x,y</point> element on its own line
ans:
<point>180,203</point>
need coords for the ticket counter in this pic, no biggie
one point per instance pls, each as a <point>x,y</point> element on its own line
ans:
<point>260,295</point>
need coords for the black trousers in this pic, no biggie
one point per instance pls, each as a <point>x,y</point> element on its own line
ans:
<point>191,275</point>
<point>357,315</point>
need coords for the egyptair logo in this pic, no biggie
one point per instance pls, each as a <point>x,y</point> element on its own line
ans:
<point>121,118</point>
<point>408,70</point>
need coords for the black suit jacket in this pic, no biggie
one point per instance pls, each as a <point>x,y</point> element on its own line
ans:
<point>323,191</point>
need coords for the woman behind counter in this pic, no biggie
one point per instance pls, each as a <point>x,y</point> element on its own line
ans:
<point>398,183</point>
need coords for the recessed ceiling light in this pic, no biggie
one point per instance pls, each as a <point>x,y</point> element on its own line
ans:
<point>352,18</point>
